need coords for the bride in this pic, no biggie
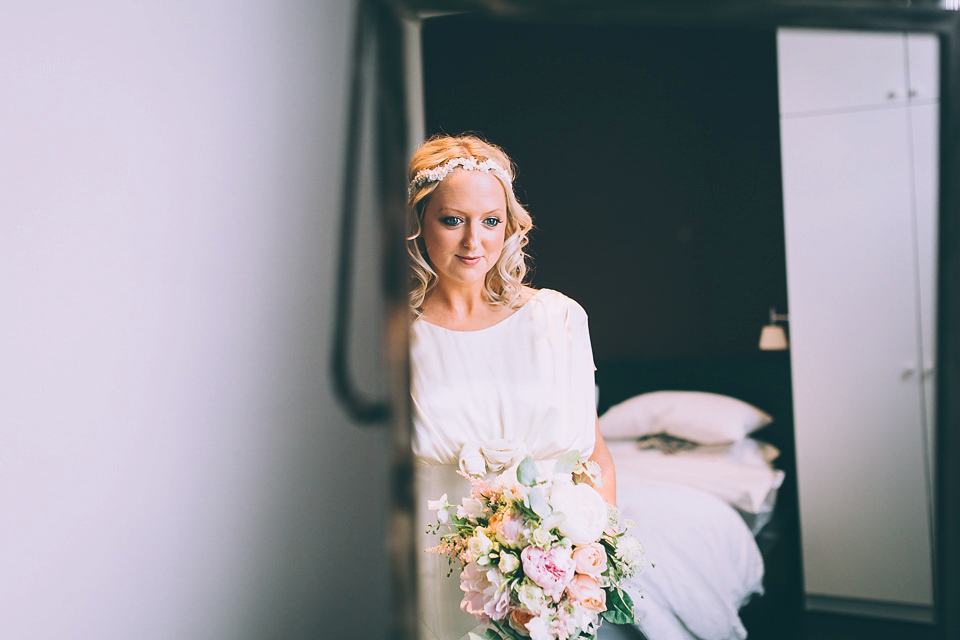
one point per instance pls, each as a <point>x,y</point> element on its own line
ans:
<point>499,370</point>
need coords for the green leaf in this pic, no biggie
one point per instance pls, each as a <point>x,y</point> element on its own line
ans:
<point>616,617</point>
<point>539,503</point>
<point>567,462</point>
<point>494,633</point>
<point>527,472</point>
<point>615,599</point>
<point>619,607</point>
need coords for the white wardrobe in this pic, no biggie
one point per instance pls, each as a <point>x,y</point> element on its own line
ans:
<point>859,150</point>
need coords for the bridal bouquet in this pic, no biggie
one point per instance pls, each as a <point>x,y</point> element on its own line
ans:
<point>543,557</point>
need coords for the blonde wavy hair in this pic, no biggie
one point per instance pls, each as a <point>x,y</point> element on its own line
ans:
<point>503,284</point>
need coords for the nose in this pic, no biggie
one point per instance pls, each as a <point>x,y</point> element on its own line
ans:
<point>471,236</point>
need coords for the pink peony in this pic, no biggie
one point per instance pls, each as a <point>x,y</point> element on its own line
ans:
<point>551,569</point>
<point>587,592</point>
<point>497,596</point>
<point>473,582</point>
<point>590,559</point>
<point>485,593</point>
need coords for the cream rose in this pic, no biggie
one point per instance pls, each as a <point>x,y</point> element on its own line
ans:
<point>479,546</point>
<point>585,511</point>
<point>590,560</point>
<point>587,591</point>
<point>540,537</point>
<point>508,563</point>
<point>531,596</point>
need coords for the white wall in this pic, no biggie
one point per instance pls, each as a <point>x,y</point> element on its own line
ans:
<point>172,463</point>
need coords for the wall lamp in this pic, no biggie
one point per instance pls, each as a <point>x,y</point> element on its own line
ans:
<point>772,336</point>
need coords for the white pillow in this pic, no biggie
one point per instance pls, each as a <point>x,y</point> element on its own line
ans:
<point>707,418</point>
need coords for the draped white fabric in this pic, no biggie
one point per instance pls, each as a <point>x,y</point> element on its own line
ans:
<point>528,379</point>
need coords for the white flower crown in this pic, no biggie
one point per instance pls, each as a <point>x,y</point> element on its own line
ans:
<point>425,176</point>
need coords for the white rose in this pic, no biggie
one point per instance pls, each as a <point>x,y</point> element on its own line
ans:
<point>540,537</point>
<point>471,460</point>
<point>508,563</point>
<point>479,545</point>
<point>502,454</point>
<point>585,511</point>
<point>531,596</point>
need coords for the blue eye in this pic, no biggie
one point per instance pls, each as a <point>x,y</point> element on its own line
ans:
<point>492,222</point>
<point>450,221</point>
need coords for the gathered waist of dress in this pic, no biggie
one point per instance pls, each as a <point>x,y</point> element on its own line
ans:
<point>492,457</point>
<point>544,468</point>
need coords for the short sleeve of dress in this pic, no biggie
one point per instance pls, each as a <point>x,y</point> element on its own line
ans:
<point>579,332</point>
<point>582,390</point>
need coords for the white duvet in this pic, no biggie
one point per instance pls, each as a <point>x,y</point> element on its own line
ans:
<point>703,563</point>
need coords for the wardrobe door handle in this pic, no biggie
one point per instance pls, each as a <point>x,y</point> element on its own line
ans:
<point>364,410</point>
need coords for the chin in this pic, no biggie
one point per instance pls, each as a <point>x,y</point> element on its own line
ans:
<point>465,276</point>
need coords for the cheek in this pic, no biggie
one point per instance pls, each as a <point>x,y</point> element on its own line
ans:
<point>434,239</point>
<point>497,239</point>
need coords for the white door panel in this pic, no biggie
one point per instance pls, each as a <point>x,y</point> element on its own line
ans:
<point>854,356</point>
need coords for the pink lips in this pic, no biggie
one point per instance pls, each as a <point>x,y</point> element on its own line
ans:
<point>469,261</point>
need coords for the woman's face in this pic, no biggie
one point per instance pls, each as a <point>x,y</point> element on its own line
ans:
<point>464,226</point>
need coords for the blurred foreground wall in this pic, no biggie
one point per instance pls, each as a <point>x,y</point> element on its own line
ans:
<point>172,463</point>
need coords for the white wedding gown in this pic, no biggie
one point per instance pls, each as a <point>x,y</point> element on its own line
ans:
<point>528,379</point>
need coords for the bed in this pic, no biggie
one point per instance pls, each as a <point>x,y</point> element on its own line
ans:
<point>717,520</point>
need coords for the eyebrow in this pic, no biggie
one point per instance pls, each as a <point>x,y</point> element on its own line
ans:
<point>451,209</point>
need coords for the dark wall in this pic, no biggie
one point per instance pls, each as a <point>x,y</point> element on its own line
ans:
<point>650,161</point>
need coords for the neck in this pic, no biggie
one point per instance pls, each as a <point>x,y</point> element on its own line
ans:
<point>458,299</point>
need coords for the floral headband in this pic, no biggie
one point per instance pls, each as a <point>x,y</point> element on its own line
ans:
<point>425,176</point>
